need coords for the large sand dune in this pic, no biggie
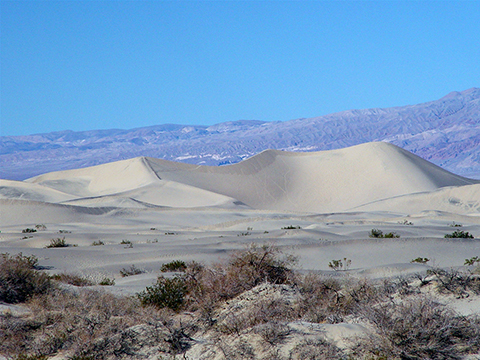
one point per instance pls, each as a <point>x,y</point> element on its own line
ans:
<point>326,181</point>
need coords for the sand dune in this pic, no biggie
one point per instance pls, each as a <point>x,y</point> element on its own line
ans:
<point>326,181</point>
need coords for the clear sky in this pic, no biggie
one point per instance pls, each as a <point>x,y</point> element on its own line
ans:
<point>83,65</point>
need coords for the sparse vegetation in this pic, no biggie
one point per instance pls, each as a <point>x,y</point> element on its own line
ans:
<point>73,279</point>
<point>57,243</point>
<point>40,227</point>
<point>420,260</point>
<point>125,242</point>
<point>175,265</point>
<point>98,243</point>
<point>133,270</point>
<point>459,234</point>
<point>291,227</point>
<point>454,224</point>
<point>253,293</point>
<point>340,264</point>
<point>106,281</point>
<point>19,278</point>
<point>165,293</point>
<point>375,233</point>
<point>28,230</point>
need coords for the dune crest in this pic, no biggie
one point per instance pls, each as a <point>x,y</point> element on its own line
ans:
<point>369,175</point>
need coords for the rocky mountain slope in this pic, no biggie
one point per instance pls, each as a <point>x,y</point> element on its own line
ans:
<point>445,132</point>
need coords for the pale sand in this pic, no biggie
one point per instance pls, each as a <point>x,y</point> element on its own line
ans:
<point>179,211</point>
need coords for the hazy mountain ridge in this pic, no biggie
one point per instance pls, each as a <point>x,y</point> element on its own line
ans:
<point>445,132</point>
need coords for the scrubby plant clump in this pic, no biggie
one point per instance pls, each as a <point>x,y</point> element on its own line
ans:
<point>19,279</point>
<point>165,293</point>
<point>175,265</point>
<point>459,234</point>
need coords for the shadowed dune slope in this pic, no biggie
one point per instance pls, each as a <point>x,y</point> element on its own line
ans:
<point>324,181</point>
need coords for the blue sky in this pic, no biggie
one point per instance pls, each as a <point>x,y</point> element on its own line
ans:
<point>83,65</point>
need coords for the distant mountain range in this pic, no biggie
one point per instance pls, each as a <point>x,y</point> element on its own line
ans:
<point>445,132</point>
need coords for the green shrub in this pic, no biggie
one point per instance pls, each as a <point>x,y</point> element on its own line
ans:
<point>165,293</point>
<point>391,235</point>
<point>107,282</point>
<point>375,233</point>
<point>28,230</point>
<point>19,280</point>
<point>459,234</point>
<point>126,242</point>
<point>175,265</point>
<point>57,243</point>
<point>291,227</point>
<point>420,260</point>
<point>98,243</point>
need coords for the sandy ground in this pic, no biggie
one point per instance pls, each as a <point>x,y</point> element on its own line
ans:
<point>172,211</point>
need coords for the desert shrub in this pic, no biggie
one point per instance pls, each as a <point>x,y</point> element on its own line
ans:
<point>455,281</point>
<point>339,264</point>
<point>419,328</point>
<point>459,234</point>
<point>165,293</point>
<point>327,299</point>
<point>106,281</point>
<point>454,224</point>
<point>420,260</point>
<point>133,270</point>
<point>72,279</point>
<point>315,349</point>
<point>175,265</point>
<point>125,242</point>
<point>391,235</point>
<point>291,227</point>
<point>41,227</point>
<point>88,324</point>
<point>375,233</point>
<point>273,332</point>
<point>98,243</point>
<point>28,230</point>
<point>19,279</point>
<point>57,243</point>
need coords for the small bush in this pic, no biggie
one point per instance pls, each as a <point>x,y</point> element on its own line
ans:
<point>40,227</point>
<point>391,235</point>
<point>419,328</point>
<point>453,224</point>
<point>339,264</point>
<point>460,234</point>
<point>291,227</point>
<point>133,270</point>
<point>72,279</point>
<point>19,280</point>
<point>455,281</point>
<point>28,230</point>
<point>98,243</point>
<point>57,243</point>
<point>107,282</point>
<point>125,242</point>
<point>165,293</point>
<point>420,260</point>
<point>375,233</point>
<point>175,265</point>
